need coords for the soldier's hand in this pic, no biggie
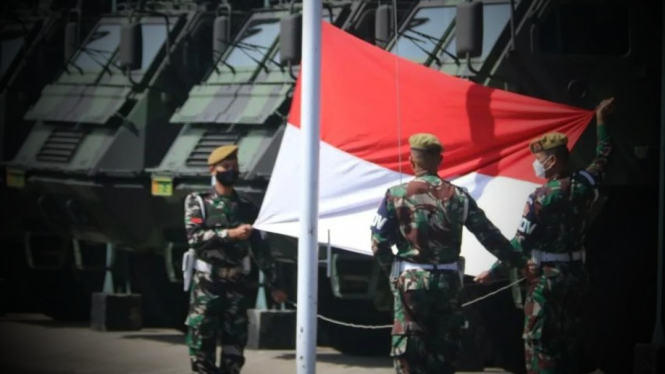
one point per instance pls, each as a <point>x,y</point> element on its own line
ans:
<point>604,109</point>
<point>246,231</point>
<point>279,296</point>
<point>529,272</point>
<point>482,277</point>
<point>241,232</point>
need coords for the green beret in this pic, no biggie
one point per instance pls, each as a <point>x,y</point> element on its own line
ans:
<point>548,141</point>
<point>222,153</point>
<point>425,142</point>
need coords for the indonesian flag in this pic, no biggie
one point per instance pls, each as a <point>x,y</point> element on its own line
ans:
<point>371,103</point>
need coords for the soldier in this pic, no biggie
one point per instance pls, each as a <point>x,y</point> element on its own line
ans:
<point>424,219</point>
<point>551,233</point>
<point>218,229</point>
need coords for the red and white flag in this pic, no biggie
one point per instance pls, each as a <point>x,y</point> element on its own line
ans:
<point>371,103</point>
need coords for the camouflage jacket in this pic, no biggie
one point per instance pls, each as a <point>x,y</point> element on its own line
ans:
<point>555,216</point>
<point>425,217</point>
<point>209,236</point>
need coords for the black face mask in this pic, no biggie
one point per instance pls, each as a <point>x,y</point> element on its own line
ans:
<point>228,177</point>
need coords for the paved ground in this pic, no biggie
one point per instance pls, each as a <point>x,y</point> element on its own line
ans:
<point>34,344</point>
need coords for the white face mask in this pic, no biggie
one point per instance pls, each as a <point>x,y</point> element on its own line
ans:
<point>539,168</point>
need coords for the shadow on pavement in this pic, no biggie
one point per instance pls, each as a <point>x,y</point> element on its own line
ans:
<point>346,360</point>
<point>176,339</point>
<point>16,370</point>
<point>39,320</point>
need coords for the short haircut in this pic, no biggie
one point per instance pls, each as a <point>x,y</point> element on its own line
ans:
<point>426,160</point>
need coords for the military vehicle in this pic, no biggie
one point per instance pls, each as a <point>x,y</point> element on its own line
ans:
<point>115,176</point>
<point>36,36</point>
<point>100,123</point>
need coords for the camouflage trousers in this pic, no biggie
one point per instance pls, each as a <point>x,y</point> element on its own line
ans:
<point>218,308</point>
<point>552,327</point>
<point>426,334</point>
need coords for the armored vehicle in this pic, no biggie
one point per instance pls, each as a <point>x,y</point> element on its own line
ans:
<point>36,37</point>
<point>99,124</point>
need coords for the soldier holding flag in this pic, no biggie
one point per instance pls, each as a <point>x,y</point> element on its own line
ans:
<point>551,233</point>
<point>219,231</point>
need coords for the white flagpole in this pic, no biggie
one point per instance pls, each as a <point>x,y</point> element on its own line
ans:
<point>309,204</point>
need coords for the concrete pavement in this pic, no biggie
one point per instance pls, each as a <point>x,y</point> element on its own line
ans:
<point>35,344</point>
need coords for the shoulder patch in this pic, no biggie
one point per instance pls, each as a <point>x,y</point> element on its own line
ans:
<point>380,222</point>
<point>529,220</point>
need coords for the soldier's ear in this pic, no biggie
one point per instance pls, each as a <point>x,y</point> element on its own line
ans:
<point>212,169</point>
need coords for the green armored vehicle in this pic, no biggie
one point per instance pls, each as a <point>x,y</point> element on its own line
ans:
<point>34,46</point>
<point>101,122</point>
<point>36,38</point>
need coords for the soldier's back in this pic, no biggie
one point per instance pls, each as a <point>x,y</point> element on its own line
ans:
<point>431,213</point>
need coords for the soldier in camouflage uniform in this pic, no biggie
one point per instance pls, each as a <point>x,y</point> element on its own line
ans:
<point>424,219</point>
<point>218,229</point>
<point>551,233</point>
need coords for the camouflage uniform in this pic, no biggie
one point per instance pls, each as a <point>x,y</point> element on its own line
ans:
<point>554,221</point>
<point>424,219</point>
<point>218,300</point>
